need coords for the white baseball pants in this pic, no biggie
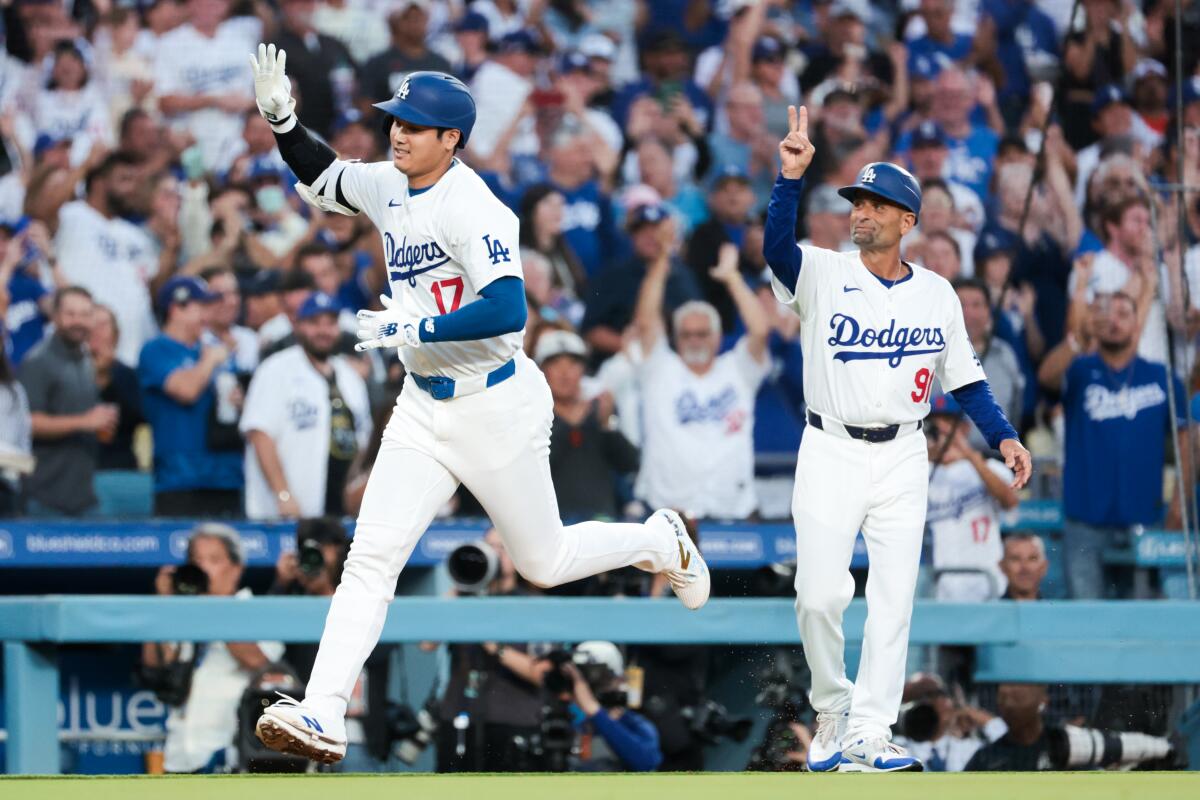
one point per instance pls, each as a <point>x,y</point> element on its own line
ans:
<point>843,486</point>
<point>497,443</point>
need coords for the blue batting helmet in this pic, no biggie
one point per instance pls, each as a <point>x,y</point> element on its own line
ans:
<point>892,183</point>
<point>435,100</point>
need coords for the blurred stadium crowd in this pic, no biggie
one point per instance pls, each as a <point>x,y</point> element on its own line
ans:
<point>172,308</point>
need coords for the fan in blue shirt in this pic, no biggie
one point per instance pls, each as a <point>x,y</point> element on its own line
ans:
<point>1117,424</point>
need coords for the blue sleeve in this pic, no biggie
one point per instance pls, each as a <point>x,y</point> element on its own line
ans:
<point>1007,14</point>
<point>981,406</point>
<point>632,737</point>
<point>779,232</point>
<point>155,365</point>
<point>500,309</point>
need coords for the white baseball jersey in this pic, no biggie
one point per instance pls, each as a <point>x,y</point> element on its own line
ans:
<point>442,245</point>
<point>698,450</point>
<point>114,260</point>
<point>964,520</point>
<point>189,63</point>
<point>870,352</point>
<point>289,401</point>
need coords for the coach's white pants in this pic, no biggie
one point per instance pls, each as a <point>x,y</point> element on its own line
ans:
<point>842,486</point>
<point>497,444</point>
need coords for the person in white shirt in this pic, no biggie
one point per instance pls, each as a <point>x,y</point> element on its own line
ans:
<point>109,256</point>
<point>70,105</point>
<point>943,733</point>
<point>500,88</point>
<point>200,77</point>
<point>202,730</point>
<point>967,495</point>
<point>306,417</point>
<point>698,407</point>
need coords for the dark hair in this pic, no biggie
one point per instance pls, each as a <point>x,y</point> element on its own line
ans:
<point>945,237</point>
<point>66,291</point>
<point>128,118</point>
<point>312,249</point>
<point>65,47</point>
<point>295,279</point>
<point>937,183</point>
<point>102,170</point>
<point>528,206</point>
<point>973,283</point>
<point>1114,211</point>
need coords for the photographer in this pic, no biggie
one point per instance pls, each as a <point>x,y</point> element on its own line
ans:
<point>203,682</point>
<point>1031,745</point>
<point>490,711</point>
<point>939,730</point>
<point>627,740</point>
<point>315,570</point>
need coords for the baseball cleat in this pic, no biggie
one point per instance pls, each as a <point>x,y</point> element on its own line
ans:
<point>288,727</point>
<point>690,580</point>
<point>825,752</point>
<point>878,755</point>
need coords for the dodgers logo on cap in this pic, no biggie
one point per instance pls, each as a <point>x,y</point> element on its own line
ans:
<point>403,93</point>
<point>868,175</point>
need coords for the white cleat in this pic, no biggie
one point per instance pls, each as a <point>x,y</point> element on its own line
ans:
<point>877,755</point>
<point>690,580</point>
<point>288,727</point>
<point>825,752</point>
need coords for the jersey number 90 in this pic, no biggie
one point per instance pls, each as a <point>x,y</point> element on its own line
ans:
<point>924,382</point>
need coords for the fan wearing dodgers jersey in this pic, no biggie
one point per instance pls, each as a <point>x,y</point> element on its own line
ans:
<point>474,409</point>
<point>875,332</point>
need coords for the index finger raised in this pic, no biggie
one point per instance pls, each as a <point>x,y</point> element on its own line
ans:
<point>792,119</point>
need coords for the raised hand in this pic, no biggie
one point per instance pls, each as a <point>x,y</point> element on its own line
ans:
<point>272,89</point>
<point>796,151</point>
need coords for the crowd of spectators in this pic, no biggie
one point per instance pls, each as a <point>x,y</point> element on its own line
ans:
<point>159,272</point>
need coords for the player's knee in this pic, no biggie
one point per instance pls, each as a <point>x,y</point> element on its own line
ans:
<point>540,572</point>
<point>815,599</point>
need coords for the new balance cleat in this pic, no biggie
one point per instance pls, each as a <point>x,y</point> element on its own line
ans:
<point>690,579</point>
<point>289,727</point>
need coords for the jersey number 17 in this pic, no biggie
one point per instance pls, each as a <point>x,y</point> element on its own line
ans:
<point>439,291</point>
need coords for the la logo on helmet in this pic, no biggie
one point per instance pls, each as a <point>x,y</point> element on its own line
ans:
<point>403,93</point>
<point>868,175</point>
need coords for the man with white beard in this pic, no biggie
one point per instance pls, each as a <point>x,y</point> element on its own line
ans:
<point>697,406</point>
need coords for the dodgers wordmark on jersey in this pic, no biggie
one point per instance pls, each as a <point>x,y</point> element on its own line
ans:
<point>871,353</point>
<point>442,246</point>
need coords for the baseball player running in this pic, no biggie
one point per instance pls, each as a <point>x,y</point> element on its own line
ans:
<point>474,409</point>
<point>875,331</point>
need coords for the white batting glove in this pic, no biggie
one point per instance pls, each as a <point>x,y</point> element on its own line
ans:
<point>272,89</point>
<point>391,327</point>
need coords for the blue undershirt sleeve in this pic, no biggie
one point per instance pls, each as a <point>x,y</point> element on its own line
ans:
<point>779,232</point>
<point>500,309</point>
<point>981,406</point>
<point>632,738</point>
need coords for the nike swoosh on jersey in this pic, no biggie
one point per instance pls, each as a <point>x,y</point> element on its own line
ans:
<point>848,289</point>
<point>393,204</point>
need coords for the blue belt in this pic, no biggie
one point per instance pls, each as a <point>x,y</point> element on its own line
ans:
<point>440,387</point>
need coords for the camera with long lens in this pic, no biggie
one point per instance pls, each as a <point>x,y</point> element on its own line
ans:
<point>1088,748</point>
<point>473,566</point>
<point>710,722</point>
<point>411,732</point>
<point>189,580</point>
<point>310,558</point>
<point>918,721</point>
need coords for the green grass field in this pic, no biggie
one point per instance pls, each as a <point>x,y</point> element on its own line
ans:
<point>711,786</point>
